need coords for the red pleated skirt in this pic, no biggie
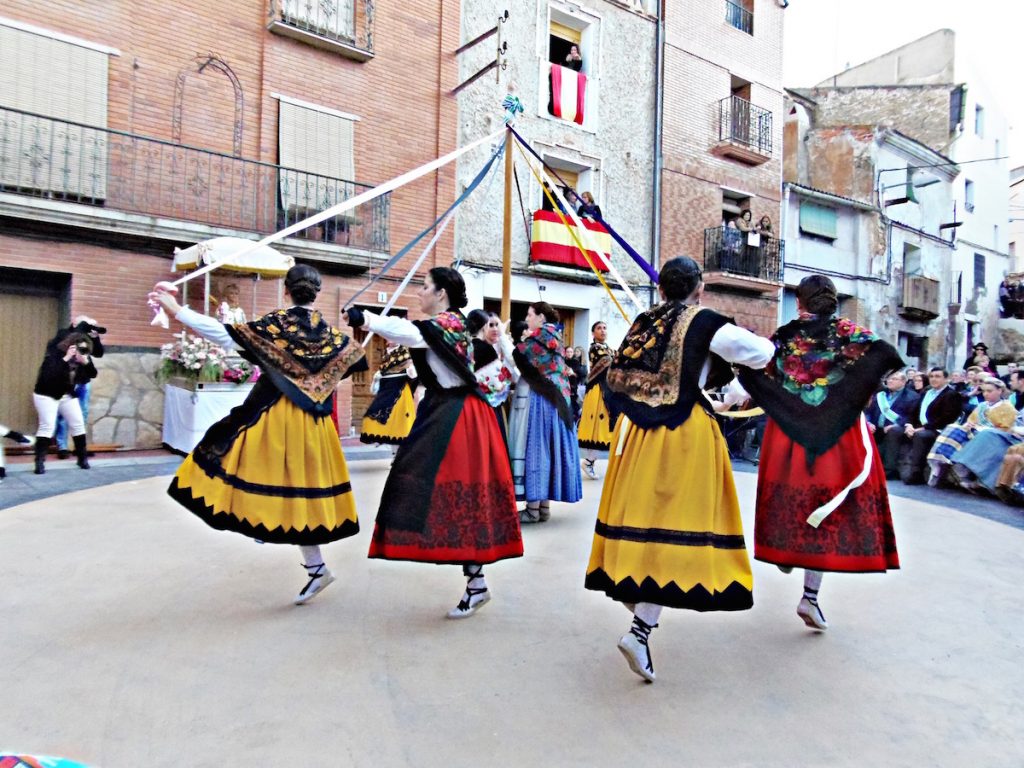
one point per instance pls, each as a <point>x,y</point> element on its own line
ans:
<point>472,516</point>
<point>857,537</point>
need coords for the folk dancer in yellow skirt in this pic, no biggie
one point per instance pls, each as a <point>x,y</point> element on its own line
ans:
<point>596,424</point>
<point>668,528</point>
<point>273,469</point>
<point>393,409</point>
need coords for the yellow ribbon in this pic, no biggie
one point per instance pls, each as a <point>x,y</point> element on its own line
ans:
<point>572,232</point>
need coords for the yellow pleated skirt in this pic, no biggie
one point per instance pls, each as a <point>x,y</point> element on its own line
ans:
<point>398,425</point>
<point>595,429</point>
<point>282,480</point>
<point>668,528</point>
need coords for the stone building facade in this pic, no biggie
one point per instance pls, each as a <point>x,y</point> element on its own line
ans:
<point>131,128</point>
<point>932,90</point>
<point>610,153</point>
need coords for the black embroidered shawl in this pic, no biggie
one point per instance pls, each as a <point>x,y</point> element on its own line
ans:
<point>395,361</point>
<point>447,337</point>
<point>301,354</point>
<point>654,378</point>
<point>600,358</point>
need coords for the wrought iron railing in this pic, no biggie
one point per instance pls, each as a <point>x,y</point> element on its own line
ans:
<point>346,21</point>
<point>727,249</point>
<point>745,123</point>
<point>61,160</point>
<point>739,17</point>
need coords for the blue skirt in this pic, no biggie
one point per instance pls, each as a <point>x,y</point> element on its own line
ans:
<point>552,455</point>
<point>983,456</point>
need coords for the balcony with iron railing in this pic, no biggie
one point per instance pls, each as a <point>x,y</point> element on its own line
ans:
<point>742,260</point>
<point>109,172</point>
<point>739,17</point>
<point>342,26</point>
<point>744,131</point>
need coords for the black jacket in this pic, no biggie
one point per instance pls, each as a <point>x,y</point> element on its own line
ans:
<point>943,411</point>
<point>906,402</point>
<point>57,377</point>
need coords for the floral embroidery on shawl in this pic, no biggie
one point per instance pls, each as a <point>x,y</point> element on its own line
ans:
<point>600,356</point>
<point>811,357</point>
<point>543,350</point>
<point>452,327</point>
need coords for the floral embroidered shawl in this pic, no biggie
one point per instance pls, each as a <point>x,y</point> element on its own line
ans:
<point>541,361</point>
<point>824,372</point>
<point>304,357</point>
<point>447,337</point>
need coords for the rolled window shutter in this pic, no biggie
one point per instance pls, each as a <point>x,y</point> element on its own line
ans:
<point>66,82</point>
<point>317,148</point>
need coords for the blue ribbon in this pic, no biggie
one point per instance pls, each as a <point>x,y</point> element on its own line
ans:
<point>412,243</point>
<point>640,261</point>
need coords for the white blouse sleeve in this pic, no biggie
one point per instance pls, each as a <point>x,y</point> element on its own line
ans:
<point>741,347</point>
<point>396,329</point>
<point>207,327</point>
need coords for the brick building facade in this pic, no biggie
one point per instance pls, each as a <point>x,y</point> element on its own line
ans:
<point>722,149</point>
<point>131,128</point>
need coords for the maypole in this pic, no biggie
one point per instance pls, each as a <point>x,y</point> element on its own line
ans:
<point>506,235</point>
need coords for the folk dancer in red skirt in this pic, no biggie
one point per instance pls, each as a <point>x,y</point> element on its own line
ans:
<point>669,532</point>
<point>449,496</point>
<point>822,503</point>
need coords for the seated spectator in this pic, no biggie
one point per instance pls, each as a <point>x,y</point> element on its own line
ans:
<point>1017,389</point>
<point>980,462</point>
<point>972,390</point>
<point>1011,368</point>
<point>1010,480</point>
<point>958,381</point>
<point>992,413</point>
<point>939,407</point>
<point>887,416</point>
<point>918,383</point>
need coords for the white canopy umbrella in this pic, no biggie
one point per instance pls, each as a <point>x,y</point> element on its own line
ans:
<point>263,262</point>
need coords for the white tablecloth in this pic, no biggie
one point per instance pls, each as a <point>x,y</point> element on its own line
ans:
<point>188,414</point>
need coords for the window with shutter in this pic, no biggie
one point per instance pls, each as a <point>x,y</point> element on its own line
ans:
<point>334,18</point>
<point>818,220</point>
<point>66,83</point>
<point>317,158</point>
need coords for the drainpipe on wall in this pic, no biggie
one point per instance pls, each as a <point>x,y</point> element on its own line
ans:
<point>783,218</point>
<point>659,107</point>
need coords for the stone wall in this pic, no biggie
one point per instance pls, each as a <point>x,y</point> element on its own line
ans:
<point>127,404</point>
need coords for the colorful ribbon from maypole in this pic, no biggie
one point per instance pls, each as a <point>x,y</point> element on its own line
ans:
<point>329,213</point>
<point>640,261</point>
<point>575,236</point>
<point>412,243</point>
<point>563,208</point>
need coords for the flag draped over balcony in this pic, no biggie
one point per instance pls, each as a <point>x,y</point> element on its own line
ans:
<point>552,243</point>
<point>568,93</point>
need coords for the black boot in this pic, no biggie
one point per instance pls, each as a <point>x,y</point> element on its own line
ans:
<point>42,446</point>
<point>81,452</point>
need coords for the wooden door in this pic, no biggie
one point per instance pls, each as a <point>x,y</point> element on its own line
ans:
<point>361,396</point>
<point>29,321</point>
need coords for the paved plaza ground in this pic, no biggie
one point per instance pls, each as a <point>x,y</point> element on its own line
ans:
<point>132,636</point>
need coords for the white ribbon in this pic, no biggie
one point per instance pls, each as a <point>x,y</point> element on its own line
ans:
<point>818,516</point>
<point>335,210</point>
<point>408,278</point>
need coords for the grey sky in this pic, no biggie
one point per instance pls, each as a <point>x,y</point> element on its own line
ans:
<point>823,36</point>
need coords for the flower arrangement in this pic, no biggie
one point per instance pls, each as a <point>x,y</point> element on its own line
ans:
<point>196,359</point>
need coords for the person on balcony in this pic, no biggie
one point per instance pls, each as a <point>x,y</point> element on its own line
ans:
<point>822,503</point>
<point>764,227</point>
<point>588,208</point>
<point>573,59</point>
<point>237,478</point>
<point>448,498</point>
<point>745,222</point>
<point>669,532</point>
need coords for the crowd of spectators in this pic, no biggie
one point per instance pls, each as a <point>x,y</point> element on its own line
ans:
<point>1011,298</point>
<point>963,430</point>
